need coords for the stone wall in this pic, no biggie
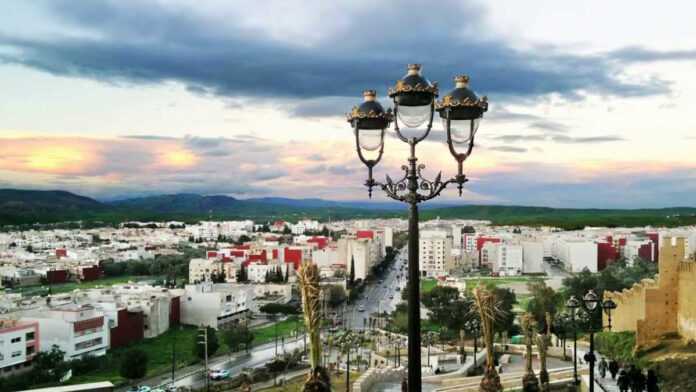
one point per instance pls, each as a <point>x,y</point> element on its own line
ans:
<point>686,317</point>
<point>655,308</point>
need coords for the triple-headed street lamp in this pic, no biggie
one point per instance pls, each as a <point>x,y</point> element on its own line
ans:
<point>414,99</point>
<point>592,305</point>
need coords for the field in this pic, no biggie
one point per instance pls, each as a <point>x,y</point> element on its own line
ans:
<point>159,351</point>
<point>284,328</point>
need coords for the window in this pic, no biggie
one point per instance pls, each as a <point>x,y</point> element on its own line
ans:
<point>30,350</point>
<point>16,340</point>
<point>16,354</point>
<point>30,336</point>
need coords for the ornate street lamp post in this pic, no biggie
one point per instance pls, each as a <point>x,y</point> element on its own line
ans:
<point>590,304</point>
<point>414,105</point>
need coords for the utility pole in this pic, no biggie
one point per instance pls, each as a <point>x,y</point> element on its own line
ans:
<point>205,350</point>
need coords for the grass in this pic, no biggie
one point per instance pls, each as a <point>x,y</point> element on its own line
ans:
<point>427,285</point>
<point>70,286</point>
<point>268,333</point>
<point>159,351</point>
<point>338,383</point>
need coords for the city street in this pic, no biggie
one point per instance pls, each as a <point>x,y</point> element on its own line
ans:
<point>379,297</point>
<point>193,376</point>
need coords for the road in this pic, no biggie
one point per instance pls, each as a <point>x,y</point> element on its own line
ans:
<point>379,297</point>
<point>374,299</point>
<point>194,377</point>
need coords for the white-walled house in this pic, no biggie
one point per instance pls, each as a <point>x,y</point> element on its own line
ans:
<point>79,330</point>
<point>18,345</point>
<point>215,305</point>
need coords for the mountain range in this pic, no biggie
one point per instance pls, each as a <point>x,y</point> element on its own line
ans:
<point>26,207</point>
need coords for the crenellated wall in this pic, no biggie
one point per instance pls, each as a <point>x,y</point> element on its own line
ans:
<point>686,315</point>
<point>666,305</point>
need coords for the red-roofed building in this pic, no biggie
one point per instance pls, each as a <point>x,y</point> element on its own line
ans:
<point>89,273</point>
<point>606,254</point>
<point>212,254</point>
<point>129,328</point>
<point>61,252</point>
<point>365,234</point>
<point>56,276</point>
<point>481,241</point>
<point>293,256</point>
<point>321,242</point>
<point>258,257</point>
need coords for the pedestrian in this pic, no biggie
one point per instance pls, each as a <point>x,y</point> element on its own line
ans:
<point>613,368</point>
<point>651,382</point>
<point>603,368</point>
<point>637,380</point>
<point>623,381</point>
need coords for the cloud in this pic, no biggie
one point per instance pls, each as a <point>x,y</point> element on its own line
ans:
<point>507,149</point>
<point>548,125</point>
<point>637,54</point>
<point>313,55</point>
<point>563,139</point>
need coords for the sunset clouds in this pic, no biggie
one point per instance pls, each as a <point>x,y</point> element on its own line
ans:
<point>121,98</point>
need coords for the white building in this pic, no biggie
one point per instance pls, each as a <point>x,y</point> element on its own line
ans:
<point>78,330</point>
<point>532,257</point>
<point>215,305</point>
<point>578,255</point>
<point>201,270</point>
<point>435,252</point>
<point>509,260</point>
<point>18,345</point>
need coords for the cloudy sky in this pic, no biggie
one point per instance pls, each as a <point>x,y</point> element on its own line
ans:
<point>591,103</point>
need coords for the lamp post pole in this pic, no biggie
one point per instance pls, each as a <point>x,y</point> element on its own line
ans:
<point>415,105</point>
<point>575,348</point>
<point>591,304</point>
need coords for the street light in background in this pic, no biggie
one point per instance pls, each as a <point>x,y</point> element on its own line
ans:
<point>591,305</point>
<point>414,99</point>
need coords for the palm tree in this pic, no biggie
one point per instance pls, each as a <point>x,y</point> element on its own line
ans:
<point>318,379</point>
<point>530,383</point>
<point>543,342</point>
<point>489,310</point>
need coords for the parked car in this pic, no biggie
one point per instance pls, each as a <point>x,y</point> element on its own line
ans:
<point>361,308</point>
<point>140,388</point>
<point>219,374</point>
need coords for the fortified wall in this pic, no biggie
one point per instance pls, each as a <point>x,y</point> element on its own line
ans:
<point>662,306</point>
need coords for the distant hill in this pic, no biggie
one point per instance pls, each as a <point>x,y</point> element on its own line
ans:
<point>24,207</point>
<point>568,218</point>
<point>27,206</point>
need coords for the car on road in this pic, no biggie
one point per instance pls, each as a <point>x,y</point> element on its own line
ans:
<point>391,297</point>
<point>140,388</point>
<point>219,374</point>
<point>361,308</point>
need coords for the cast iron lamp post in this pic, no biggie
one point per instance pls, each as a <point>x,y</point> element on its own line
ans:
<point>414,105</point>
<point>590,304</point>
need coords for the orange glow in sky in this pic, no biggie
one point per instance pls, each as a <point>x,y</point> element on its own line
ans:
<point>56,159</point>
<point>178,158</point>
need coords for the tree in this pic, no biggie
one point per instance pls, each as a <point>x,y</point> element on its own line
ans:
<point>275,308</point>
<point>199,347</point>
<point>242,274</point>
<point>506,301</point>
<point>447,308</point>
<point>351,278</point>
<point>544,300</point>
<point>336,295</point>
<point>134,364</point>
<point>238,337</point>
